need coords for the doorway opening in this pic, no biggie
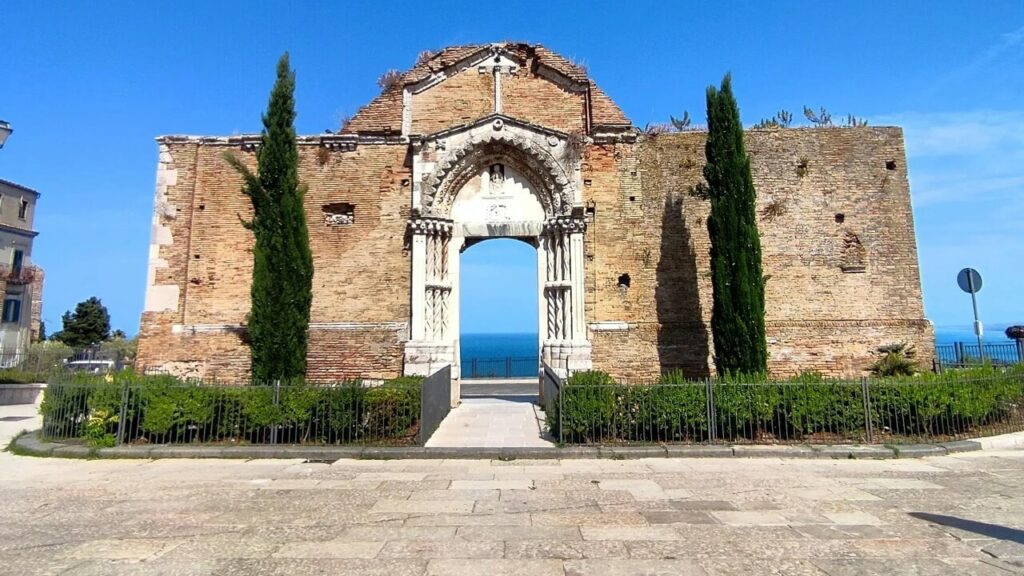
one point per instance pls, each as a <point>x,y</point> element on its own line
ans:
<point>499,315</point>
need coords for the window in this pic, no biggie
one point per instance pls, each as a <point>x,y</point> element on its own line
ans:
<point>12,310</point>
<point>23,209</point>
<point>19,259</point>
<point>339,214</point>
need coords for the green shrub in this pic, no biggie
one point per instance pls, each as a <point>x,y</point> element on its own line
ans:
<point>390,412</point>
<point>164,409</point>
<point>19,376</point>
<point>823,408</point>
<point>586,408</point>
<point>672,410</point>
<point>593,408</point>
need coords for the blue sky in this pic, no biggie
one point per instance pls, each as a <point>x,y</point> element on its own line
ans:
<point>87,86</point>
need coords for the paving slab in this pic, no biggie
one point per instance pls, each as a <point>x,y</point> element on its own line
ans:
<point>958,513</point>
<point>492,422</point>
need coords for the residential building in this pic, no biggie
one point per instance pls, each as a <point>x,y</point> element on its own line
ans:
<point>20,280</point>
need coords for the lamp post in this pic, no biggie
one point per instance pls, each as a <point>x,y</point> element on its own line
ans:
<point>5,131</point>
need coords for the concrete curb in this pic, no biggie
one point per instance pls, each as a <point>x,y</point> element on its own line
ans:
<point>32,444</point>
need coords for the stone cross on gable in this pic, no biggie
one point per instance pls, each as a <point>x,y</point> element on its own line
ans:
<point>497,64</point>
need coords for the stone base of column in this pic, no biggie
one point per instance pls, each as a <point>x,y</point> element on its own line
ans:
<point>424,358</point>
<point>567,356</point>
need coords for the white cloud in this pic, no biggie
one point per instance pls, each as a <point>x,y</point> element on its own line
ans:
<point>966,174</point>
<point>970,133</point>
<point>963,157</point>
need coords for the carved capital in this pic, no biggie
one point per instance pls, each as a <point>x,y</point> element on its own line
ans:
<point>431,226</point>
<point>566,224</point>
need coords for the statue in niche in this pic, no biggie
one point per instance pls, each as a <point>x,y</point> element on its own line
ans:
<point>497,176</point>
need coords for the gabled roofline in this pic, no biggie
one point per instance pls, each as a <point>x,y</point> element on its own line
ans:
<point>486,120</point>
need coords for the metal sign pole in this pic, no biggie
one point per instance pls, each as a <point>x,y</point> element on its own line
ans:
<point>978,330</point>
<point>970,282</point>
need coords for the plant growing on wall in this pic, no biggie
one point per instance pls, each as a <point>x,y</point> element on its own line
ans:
<point>896,360</point>
<point>737,321</point>
<point>282,277</point>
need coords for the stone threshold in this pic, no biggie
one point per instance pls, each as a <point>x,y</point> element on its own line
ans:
<point>30,444</point>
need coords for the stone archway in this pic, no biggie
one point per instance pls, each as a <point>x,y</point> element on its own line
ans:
<point>500,185</point>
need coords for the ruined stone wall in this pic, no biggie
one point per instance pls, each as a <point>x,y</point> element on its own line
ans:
<point>837,241</point>
<point>356,208</point>
<point>464,97</point>
<point>38,277</point>
<point>539,101</point>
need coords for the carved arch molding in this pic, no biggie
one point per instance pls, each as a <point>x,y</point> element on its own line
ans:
<point>556,188</point>
<point>436,243</point>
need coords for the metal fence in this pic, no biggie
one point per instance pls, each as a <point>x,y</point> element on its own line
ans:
<point>436,401</point>
<point>44,360</point>
<point>508,367</point>
<point>825,412</point>
<point>960,354</point>
<point>549,390</point>
<point>165,411</point>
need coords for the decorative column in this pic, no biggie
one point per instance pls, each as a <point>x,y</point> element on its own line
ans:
<point>430,346</point>
<point>565,345</point>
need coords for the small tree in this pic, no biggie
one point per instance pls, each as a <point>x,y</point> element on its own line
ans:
<point>88,325</point>
<point>118,347</point>
<point>737,320</point>
<point>282,276</point>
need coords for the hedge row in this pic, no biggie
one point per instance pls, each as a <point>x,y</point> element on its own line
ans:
<point>594,408</point>
<point>163,409</point>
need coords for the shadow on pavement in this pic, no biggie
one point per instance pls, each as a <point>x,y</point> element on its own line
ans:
<point>990,530</point>
<point>524,398</point>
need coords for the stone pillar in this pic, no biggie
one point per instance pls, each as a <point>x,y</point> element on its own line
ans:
<point>431,345</point>
<point>565,346</point>
<point>419,278</point>
<point>579,356</point>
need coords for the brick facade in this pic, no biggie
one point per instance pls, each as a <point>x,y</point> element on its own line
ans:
<point>834,213</point>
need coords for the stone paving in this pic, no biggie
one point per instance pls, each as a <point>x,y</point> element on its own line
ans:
<point>958,514</point>
<point>493,422</point>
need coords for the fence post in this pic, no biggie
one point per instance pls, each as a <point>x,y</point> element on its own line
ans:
<point>277,400</point>
<point>711,409</point>
<point>123,413</point>
<point>958,352</point>
<point>561,431</point>
<point>1020,350</point>
<point>865,387</point>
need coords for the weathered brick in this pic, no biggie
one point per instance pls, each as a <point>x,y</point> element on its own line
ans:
<point>829,200</point>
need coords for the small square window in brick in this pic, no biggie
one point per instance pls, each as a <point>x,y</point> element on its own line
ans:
<point>339,214</point>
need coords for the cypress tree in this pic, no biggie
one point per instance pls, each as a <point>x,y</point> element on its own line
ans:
<point>737,321</point>
<point>282,276</point>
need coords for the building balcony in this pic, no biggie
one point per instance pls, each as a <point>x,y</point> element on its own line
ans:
<point>23,275</point>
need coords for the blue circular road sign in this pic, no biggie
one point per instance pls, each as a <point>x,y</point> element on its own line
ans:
<point>969,280</point>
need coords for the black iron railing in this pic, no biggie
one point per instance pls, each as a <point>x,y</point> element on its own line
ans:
<point>961,354</point>
<point>508,367</point>
<point>913,409</point>
<point>109,410</point>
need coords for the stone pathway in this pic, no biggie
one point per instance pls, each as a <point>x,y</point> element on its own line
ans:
<point>959,514</point>
<point>499,387</point>
<point>17,417</point>
<point>496,422</point>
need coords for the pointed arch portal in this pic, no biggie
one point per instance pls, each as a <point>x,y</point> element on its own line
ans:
<point>496,187</point>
